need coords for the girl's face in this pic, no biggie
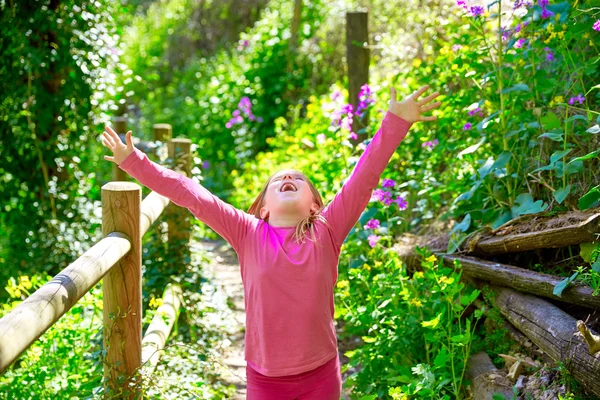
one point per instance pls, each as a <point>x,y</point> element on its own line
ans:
<point>288,192</point>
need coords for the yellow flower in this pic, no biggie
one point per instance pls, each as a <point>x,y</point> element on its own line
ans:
<point>557,17</point>
<point>367,267</point>
<point>564,26</point>
<point>415,302</point>
<point>431,258</point>
<point>342,284</point>
<point>417,62</point>
<point>550,27</point>
<point>586,35</point>
<point>454,67</point>
<point>561,35</point>
<point>418,274</point>
<point>155,303</point>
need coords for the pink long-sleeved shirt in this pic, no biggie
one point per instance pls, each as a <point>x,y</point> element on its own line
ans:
<point>288,287</point>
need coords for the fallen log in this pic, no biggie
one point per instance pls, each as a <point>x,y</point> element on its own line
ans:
<point>584,231</point>
<point>517,278</point>
<point>523,280</point>
<point>553,331</point>
<point>486,379</point>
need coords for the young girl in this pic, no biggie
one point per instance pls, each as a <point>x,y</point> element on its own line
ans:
<point>290,340</point>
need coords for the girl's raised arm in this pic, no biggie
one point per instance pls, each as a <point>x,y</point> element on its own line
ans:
<point>345,209</point>
<point>229,222</point>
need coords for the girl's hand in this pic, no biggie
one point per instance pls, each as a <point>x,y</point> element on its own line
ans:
<point>113,142</point>
<point>410,109</point>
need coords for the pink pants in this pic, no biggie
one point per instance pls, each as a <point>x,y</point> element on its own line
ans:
<point>322,383</point>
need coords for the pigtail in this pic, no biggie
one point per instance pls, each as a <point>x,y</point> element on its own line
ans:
<point>308,224</point>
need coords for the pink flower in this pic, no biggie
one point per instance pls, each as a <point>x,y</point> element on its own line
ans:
<point>372,224</point>
<point>373,239</point>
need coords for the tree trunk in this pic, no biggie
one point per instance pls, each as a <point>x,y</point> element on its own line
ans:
<point>486,379</point>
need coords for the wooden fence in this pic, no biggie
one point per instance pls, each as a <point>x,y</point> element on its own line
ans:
<point>117,260</point>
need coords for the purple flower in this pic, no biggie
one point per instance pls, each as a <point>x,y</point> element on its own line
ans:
<point>519,43</point>
<point>337,115</point>
<point>353,136</point>
<point>364,99</point>
<point>461,3</point>
<point>372,224</point>
<point>373,239</point>
<point>381,195</point>
<point>476,10</point>
<point>430,144</point>
<point>388,183</point>
<point>546,13</point>
<point>467,126</point>
<point>542,3</point>
<point>596,26</point>
<point>402,203</point>
<point>456,47</point>
<point>477,110</point>
<point>205,164</point>
<point>578,98</point>
<point>335,95</point>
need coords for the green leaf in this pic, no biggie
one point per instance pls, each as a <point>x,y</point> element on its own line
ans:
<point>596,266</point>
<point>525,205</point>
<point>586,249</point>
<point>561,194</point>
<point>518,86</point>
<point>557,137</point>
<point>558,289</point>
<point>432,323</point>
<point>463,226</point>
<point>594,129</point>
<point>550,121</point>
<point>586,157</point>
<point>590,199</point>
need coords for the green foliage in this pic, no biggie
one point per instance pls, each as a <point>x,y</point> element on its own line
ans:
<point>53,69</point>
<point>416,332</point>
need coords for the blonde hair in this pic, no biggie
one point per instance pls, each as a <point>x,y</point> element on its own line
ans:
<point>307,223</point>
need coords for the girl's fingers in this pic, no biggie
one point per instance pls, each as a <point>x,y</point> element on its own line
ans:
<point>113,134</point>
<point>109,140</point>
<point>108,144</point>
<point>429,98</point>
<point>430,118</point>
<point>416,94</point>
<point>109,158</point>
<point>430,107</point>
<point>129,141</point>
<point>393,93</point>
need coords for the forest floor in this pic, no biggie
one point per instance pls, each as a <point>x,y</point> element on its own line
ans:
<point>224,274</point>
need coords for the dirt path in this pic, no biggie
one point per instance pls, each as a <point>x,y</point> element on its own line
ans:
<point>224,273</point>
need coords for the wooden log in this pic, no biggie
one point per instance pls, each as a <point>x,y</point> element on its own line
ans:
<point>152,206</point>
<point>523,280</point>
<point>122,290</point>
<point>178,218</point>
<point>30,319</point>
<point>120,127</point>
<point>357,56</point>
<point>553,331</point>
<point>160,328</point>
<point>162,132</point>
<point>486,379</point>
<point>586,231</point>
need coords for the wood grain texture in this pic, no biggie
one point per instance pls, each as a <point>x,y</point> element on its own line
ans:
<point>122,287</point>
<point>554,331</point>
<point>30,319</point>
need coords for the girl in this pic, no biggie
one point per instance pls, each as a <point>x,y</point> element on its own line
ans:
<point>290,340</point>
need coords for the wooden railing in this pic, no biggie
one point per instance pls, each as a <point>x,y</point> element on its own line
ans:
<point>117,260</point>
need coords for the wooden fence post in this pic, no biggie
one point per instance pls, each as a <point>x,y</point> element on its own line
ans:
<point>122,290</point>
<point>180,151</point>
<point>357,55</point>
<point>120,126</point>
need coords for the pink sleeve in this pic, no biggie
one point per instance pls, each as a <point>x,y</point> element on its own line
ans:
<point>345,209</point>
<point>229,222</point>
